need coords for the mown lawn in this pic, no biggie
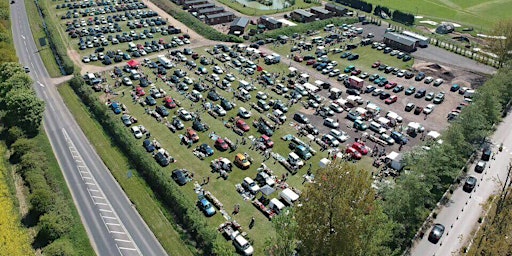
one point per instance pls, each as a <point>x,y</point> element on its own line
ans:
<point>154,214</point>
<point>252,11</point>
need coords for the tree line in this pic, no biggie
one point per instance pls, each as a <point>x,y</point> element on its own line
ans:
<point>398,16</point>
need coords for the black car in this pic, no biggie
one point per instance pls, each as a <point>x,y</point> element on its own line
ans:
<point>265,130</point>
<point>301,118</point>
<point>353,57</point>
<point>384,95</point>
<point>420,76</point>
<point>179,177</point>
<point>480,166</point>
<point>198,126</point>
<point>421,93</point>
<point>408,74</point>
<point>486,154</point>
<point>226,104</point>
<point>398,88</point>
<point>150,101</point>
<point>212,95</point>
<point>470,184</point>
<point>148,145</point>
<point>161,159</point>
<point>352,91</point>
<point>436,233</point>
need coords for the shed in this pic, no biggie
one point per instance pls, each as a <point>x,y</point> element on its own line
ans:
<point>302,16</point>
<point>423,41</point>
<point>213,10</point>
<point>400,41</point>
<point>338,10</point>
<point>189,3</point>
<point>238,26</point>
<point>218,18</point>
<point>270,22</point>
<point>197,7</point>
<point>321,13</point>
<point>433,134</point>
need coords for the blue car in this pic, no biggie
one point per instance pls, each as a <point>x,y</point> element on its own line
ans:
<point>399,138</point>
<point>116,108</point>
<point>206,207</point>
<point>205,149</point>
<point>148,145</point>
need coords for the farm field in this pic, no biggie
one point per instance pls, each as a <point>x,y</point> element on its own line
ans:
<point>473,13</point>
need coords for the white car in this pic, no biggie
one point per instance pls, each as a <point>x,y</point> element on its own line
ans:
<point>438,82</point>
<point>219,110</point>
<point>428,80</point>
<point>218,70</point>
<point>339,135</point>
<point>127,81</point>
<point>329,122</point>
<point>86,59</point>
<point>261,95</point>
<point>428,109</point>
<point>244,113</point>
<point>184,114</point>
<point>230,77</point>
<point>251,185</point>
<point>136,132</point>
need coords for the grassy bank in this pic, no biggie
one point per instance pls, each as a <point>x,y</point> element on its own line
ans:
<point>45,51</point>
<point>247,10</point>
<point>135,187</point>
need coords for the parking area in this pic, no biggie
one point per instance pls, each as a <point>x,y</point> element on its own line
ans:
<point>110,32</point>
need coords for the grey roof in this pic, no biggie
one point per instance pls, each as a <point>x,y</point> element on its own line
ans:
<point>240,22</point>
<point>210,10</point>
<point>320,10</point>
<point>304,13</point>
<point>335,6</point>
<point>218,15</point>
<point>402,39</point>
<point>270,19</point>
<point>192,2</point>
<point>202,6</point>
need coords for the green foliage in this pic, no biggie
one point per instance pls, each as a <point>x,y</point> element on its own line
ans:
<point>286,227</point>
<point>357,4</point>
<point>342,195</point>
<point>169,193</point>
<point>315,25</point>
<point>194,23</point>
<point>54,225</point>
<point>13,134</point>
<point>8,69</point>
<point>42,201</point>
<point>380,9</point>
<point>221,248</point>
<point>24,109</point>
<point>502,47</point>
<point>404,18</point>
<point>60,247</point>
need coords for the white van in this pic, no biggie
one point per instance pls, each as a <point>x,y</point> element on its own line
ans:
<point>134,74</point>
<point>295,160</point>
<point>280,115</point>
<point>359,30</point>
<point>244,113</point>
<point>196,94</point>
<point>300,89</point>
<point>132,47</point>
<point>376,127</point>
<point>329,27</point>
<point>276,205</point>
<point>288,196</point>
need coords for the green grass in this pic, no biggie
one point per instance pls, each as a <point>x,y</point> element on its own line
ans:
<point>45,52</point>
<point>154,214</point>
<point>299,4</point>
<point>478,14</point>
<point>77,233</point>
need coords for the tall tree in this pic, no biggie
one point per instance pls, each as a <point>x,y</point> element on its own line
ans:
<point>25,110</point>
<point>340,216</point>
<point>501,44</point>
<point>8,69</point>
<point>285,241</point>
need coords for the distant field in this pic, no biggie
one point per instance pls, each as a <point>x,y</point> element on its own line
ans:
<point>480,14</point>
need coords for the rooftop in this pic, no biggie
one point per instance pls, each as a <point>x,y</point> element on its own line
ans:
<point>218,15</point>
<point>320,10</point>
<point>403,39</point>
<point>270,19</point>
<point>240,22</point>
<point>304,13</point>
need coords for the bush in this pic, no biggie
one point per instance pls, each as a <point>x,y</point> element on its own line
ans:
<point>42,201</point>
<point>60,247</point>
<point>13,134</point>
<point>357,4</point>
<point>53,225</point>
<point>169,193</point>
<point>404,18</point>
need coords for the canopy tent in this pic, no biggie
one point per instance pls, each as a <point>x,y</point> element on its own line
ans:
<point>304,75</point>
<point>433,134</point>
<point>414,125</point>
<point>292,69</point>
<point>267,190</point>
<point>133,63</point>
<point>324,162</point>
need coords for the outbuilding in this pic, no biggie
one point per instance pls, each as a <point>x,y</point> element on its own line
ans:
<point>321,13</point>
<point>238,26</point>
<point>338,10</point>
<point>400,41</point>
<point>423,41</point>
<point>207,11</point>
<point>197,7</point>
<point>188,3</point>
<point>218,18</point>
<point>302,16</point>
<point>270,23</point>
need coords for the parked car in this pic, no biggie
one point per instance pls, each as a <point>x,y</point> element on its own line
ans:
<point>178,175</point>
<point>470,184</point>
<point>480,166</point>
<point>354,154</point>
<point>331,123</point>
<point>206,207</point>
<point>410,90</point>
<point>301,118</point>
<point>148,145</point>
<point>409,106</point>
<point>436,233</point>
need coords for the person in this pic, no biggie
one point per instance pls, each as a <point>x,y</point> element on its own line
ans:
<point>251,224</point>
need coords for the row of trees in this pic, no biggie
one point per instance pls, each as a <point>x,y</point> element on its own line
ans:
<point>184,211</point>
<point>398,16</point>
<point>7,52</point>
<point>194,23</point>
<point>357,4</point>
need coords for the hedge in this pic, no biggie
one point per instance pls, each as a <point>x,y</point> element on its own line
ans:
<point>188,216</point>
<point>194,23</point>
<point>357,4</point>
<point>315,25</point>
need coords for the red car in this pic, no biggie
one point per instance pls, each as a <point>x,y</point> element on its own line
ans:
<point>298,58</point>
<point>220,144</point>
<point>390,85</point>
<point>192,135</point>
<point>267,141</point>
<point>310,62</point>
<point>169,102</point>
<point>360,147</point>
<point>140,91</point>
<point>391,99</point>
<point>353,153</point>
<point>242,125</point>
<point>376,64</point>
<point>356,72</point>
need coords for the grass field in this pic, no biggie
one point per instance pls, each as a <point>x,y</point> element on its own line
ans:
<point>299,4</point>
<point>479,14</point>
<point>148,206</point>
<point>38,32</point>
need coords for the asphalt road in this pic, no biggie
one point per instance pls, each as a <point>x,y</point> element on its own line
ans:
<point>460,215</point>
<point>113,225</point>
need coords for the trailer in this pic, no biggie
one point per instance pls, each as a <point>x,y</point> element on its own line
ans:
<point>356,82</point>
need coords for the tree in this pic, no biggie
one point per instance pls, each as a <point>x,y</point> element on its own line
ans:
<point>501,43</point>
<point>16,81</point>
<point>340,216</point>
<point>54,224</point>
<point>221,248</point>
<point>285,241</point>
<point>25,110</point>
<point>8,69</point>
<point>13,134</point>
<point>60,247</point>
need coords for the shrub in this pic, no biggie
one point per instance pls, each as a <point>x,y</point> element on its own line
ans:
<point>53,225</point>
<point>60,247</point>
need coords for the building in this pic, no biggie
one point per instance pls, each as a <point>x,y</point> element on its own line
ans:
<point>338,10</point>
<point>213,10</point>
<point>270,23</point>
<point>445,28</point>
<point>197,7</point>
<point>188,3</point>
<point>423,41</point>
<point>238,26</point>
<point>218,18</point>
<point>399,41</point>
<point>302,16</point>
<point>321,13</point>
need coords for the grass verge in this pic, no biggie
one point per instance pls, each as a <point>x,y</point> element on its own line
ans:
<point>149,207</point>
<point>45,52</point>
<point>252,11</point>
<point>77,234</point>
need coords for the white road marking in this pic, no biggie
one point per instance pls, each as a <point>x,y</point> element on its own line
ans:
<point>22,36</point>
<point>125,248</point>
<point>105,210</point>
<point>122,240</point>
<point>89,183</point>
<point>113,224</point>
<point>100,203</point>
<point>99,197</point>
<point>107,217</point>
<point>117,232</point>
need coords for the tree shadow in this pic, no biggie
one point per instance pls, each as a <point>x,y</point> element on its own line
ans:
<point>30,219</point>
